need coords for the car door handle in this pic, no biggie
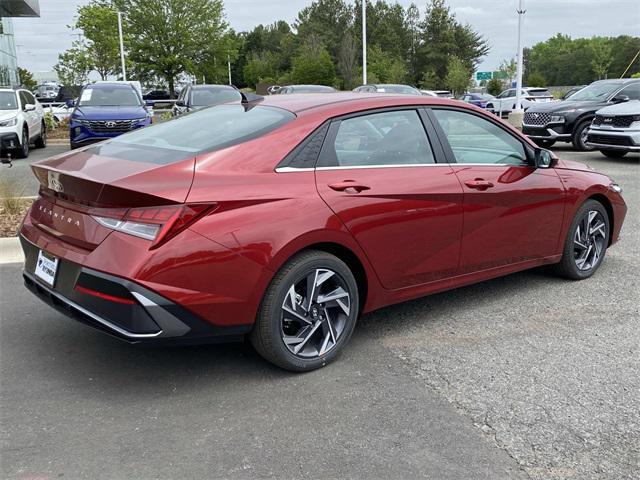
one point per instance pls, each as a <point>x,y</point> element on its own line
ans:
<point>348,184</point>
<point>478,184</point>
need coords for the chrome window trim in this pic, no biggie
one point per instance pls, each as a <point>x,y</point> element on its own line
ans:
<point>360,167</point>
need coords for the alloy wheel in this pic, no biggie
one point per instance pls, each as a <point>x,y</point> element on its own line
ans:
<point>589,240</point>
<point>315,311</point>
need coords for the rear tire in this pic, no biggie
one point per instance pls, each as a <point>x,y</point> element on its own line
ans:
<point>586,242</point>
<point>41,142</point>
<point>544,143</point>
<point>613,153</point>
<point>580,137</point>
<point>299,334</point>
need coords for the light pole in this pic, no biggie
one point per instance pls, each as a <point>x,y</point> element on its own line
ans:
<point>364,42</point>
<point>124,71</point>
<point>521,11</point>
<point>229,67</point>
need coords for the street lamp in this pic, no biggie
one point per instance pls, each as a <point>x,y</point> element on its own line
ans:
<point>364,42</point>
<point>124,71</point>
<point>521,11</point>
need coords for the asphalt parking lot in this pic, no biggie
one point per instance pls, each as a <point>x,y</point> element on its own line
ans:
<point>527,376</point>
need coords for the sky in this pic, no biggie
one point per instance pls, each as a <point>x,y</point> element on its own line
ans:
<point>39,40</point>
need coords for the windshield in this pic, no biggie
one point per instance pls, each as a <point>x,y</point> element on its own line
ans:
<point>109,97</point>
<point>201,131</point>
<point>202,97</point>
<point>8,101</point>
<point>595,92</point>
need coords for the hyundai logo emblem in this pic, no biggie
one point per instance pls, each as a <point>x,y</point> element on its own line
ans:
<point>110,124</point>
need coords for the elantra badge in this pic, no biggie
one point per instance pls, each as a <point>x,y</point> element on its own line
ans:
<point>54,183</point>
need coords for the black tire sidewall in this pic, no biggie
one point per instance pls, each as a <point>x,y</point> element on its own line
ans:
<point>568,262</point>
<point>269,315</point>
<point>577,137</point>
<point>544,143</point>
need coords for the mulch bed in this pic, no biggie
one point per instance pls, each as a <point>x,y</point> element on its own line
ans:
<point>58,133</point>
<point>9,222</point>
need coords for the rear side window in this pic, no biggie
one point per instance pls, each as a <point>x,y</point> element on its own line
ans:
<point>205,130</point>
<point>632,91</point>
<point>476,140</point>
<point>387,138</point>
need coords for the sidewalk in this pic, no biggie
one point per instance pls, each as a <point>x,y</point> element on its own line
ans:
<point>10,250</point>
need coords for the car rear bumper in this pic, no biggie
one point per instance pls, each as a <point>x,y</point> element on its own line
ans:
<point>141,315</point>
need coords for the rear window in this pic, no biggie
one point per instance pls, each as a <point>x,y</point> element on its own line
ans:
<point>539,93</point>
<point>202,131</point>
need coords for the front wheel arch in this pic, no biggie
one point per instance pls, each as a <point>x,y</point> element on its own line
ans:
<point>604,201</point>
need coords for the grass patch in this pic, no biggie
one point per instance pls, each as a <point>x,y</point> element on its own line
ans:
<point>12,207</point>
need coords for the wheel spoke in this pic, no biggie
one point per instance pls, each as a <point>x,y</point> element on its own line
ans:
<point>296,314</point>
<point>598,228</point>
<point>330,326</point>
<point>342,305</point>
<point>337,293</point>
<point>304,341</point>
<point>325,342</point>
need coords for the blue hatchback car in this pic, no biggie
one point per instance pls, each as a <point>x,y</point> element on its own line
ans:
<point>106,110</point>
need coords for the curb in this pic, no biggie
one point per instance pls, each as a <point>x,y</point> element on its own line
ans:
<point>57,141</point>
<point>10,250</point>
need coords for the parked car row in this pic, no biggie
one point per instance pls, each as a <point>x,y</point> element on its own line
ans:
<point>21,122</point>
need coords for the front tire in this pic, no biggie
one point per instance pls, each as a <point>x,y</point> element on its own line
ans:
<point>308,312</point>
<point>613,153</point>
<point>579,138</point>
<point>41,142</point>
<point>23,150</point>
<point>586,242</point>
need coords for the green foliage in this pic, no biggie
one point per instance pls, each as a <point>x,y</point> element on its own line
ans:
<point>26,79</point>
<point>385,67</point>
<point>509,68</point>
<point>429,80</point>
<point>458,76</point>
<point>74,65</point>
<point>313,66</point>
<point>98,22</point>
<point>49,122</point>
<point>261,68</point>
<point>170,37</point>
<point>566,61</point>
<point>636,75</point>
<point>495,86</point>
<point>536,80</point>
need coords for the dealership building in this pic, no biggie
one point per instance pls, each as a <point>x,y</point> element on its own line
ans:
<point>8,54</point>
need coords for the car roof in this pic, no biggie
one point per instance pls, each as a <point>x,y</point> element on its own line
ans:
<point>109,85</point>
<point>349,101</point>
<point>210,85</point>
<point>618,80</point>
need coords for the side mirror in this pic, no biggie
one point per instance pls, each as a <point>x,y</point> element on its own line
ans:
<point>620,99</point>
<point>70,103</point>
<point>29,107</point>
<point>149,103</point>
<point>544,158</point>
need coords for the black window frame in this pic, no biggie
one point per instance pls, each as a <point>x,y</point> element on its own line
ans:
<point>448,151</point>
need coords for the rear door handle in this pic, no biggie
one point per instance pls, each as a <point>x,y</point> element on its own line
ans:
<point>478,184</point>
<point>347,185</point>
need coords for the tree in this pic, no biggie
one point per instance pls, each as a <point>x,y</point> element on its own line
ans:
<point>347,61</point>
<point>509,68</point>
<point>313,65</point>
<point>495,86</point>
<point>26,79</point>
<point>74,65</point>
<point>385,67</point>
<point>536,80</point>
<point>327,21</point>
<point>458,77</point>
<point>170,37</point>
<point>429,81</point>
<point>600,56</point>
<point>261,68</point>
<point>98,22</point>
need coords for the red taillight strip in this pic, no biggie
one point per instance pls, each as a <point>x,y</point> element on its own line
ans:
<point>104,296</point>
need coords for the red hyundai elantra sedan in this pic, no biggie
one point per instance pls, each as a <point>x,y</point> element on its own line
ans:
<point>285,219</point>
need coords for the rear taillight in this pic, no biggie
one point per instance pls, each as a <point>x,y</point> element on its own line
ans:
<point>157,224</point>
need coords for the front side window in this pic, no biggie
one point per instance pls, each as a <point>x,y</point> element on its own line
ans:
<point>632,91</point>
<point>388,138</point>
<point>109,97</point>
<point>8,101</point>
<point>597,91</point>
<point>476,140</point>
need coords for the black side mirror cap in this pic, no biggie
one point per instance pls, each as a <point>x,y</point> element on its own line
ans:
<point>620,99</point>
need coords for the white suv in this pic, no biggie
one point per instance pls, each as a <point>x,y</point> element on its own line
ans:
<point>21,122</point>
<point>615,130</point>
<point>504,103</point>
